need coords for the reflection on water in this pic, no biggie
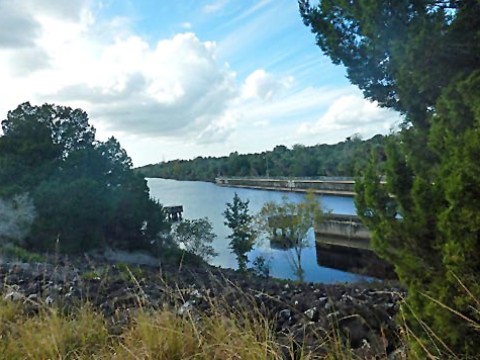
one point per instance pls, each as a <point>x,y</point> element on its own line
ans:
<point>353,260</point>
<point>201,199</point>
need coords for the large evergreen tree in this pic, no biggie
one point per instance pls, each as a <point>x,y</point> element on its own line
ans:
<point>421,58</point>
<point>84,191</point>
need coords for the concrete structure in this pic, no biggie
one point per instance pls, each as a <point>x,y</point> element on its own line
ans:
<point>343,230</point>
<point>174,213</point>
<point>339,186</point>
<point>341,241</point>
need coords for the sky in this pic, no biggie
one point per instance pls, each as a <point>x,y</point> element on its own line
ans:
<point>177,79</point>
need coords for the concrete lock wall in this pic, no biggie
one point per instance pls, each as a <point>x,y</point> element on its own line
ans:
<point>343,228</point>
<point>325,185</point>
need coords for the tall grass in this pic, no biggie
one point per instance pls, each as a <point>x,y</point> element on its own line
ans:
<point>49,333</point>
<point>227,330</point>
<point>160,334</point>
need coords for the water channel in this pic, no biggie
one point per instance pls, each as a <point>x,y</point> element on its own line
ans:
<point>203,199</point>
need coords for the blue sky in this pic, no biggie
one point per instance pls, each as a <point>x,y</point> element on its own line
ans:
<point>182,78</point>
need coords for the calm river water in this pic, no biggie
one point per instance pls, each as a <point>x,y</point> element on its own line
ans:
<point>203,199</point>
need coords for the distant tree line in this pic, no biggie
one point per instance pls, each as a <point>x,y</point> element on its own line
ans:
<point>342,159</point>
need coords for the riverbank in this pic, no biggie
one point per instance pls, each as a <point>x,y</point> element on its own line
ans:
<point>362,315</point>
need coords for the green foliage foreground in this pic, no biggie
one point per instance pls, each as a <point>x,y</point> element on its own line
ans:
<point>421,58</point>
<point>84,191</point>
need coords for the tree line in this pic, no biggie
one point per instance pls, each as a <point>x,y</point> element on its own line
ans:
<point>342,159</point>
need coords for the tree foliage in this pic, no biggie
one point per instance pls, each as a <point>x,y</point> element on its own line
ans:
<point>84,191</point>
<point>16,218</point>
<point>421,58</point>
<point>242,238</point>
<point>289,222</point>
<point>342,159</point>
<point>195,236</point>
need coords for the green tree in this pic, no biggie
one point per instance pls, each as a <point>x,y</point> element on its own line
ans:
<point>242,239</point>
<point>342,159</point>
<point>75,214</point>
<point>84,191</point>
<point>16,217</point>
<point>422,59</point>
<point>195,237</point>
<point>291,221</point>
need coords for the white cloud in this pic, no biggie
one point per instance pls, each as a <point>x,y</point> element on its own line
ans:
<point>214,6</point>
<point>173,88</point>
<point>220,130</point>
<point>263,85</point>
<point>172,92</point>
<point>354,114</point>
<point>176,88</point>
<point>17,28</point>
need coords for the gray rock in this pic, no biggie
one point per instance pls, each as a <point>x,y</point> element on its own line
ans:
<point>285,314</point>
<point>49,300</point>
<point>186,307</point>
<point>328,306</point>
<point>333,315</point>
<point>355,329</point>
<point>398,354</point>
<point>14,296</point>
<point>312,314</point>
<point>32,298</point>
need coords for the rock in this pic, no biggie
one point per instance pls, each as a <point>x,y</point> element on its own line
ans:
<point>312,314</point>
<point>186,307</point>
<point>107,308</point>
<point>333,315</point>
<point>126,300</point>
<point>398,354</point>
<point>285,314</point>
<point>304,312</point>
<point>32,298</point>
<point>355,329</point>
<point>378,342</point>
<point>49,300</point>
<point>14,296</point>
<point>195,293</point>
<point>322,301</point>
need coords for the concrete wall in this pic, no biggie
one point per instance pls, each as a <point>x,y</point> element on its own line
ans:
<point>343,230</point>
<point>325,185</point>
<point>344,226</point>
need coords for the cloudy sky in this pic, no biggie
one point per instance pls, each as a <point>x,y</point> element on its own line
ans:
<point>182,78</point>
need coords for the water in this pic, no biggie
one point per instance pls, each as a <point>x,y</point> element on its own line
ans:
<point>202,199</point>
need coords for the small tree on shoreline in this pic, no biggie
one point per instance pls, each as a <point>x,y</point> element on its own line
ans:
<point>195,236</point>
<point>293,220</point>
<point>238,219</point>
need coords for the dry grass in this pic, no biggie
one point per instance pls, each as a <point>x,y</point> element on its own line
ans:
<point>150,334</point>
<point>37,331</point>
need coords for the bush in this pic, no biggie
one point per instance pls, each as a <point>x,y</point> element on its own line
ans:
<point>195,237</point>
<point>17,253</point>
<point>16,217</point>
